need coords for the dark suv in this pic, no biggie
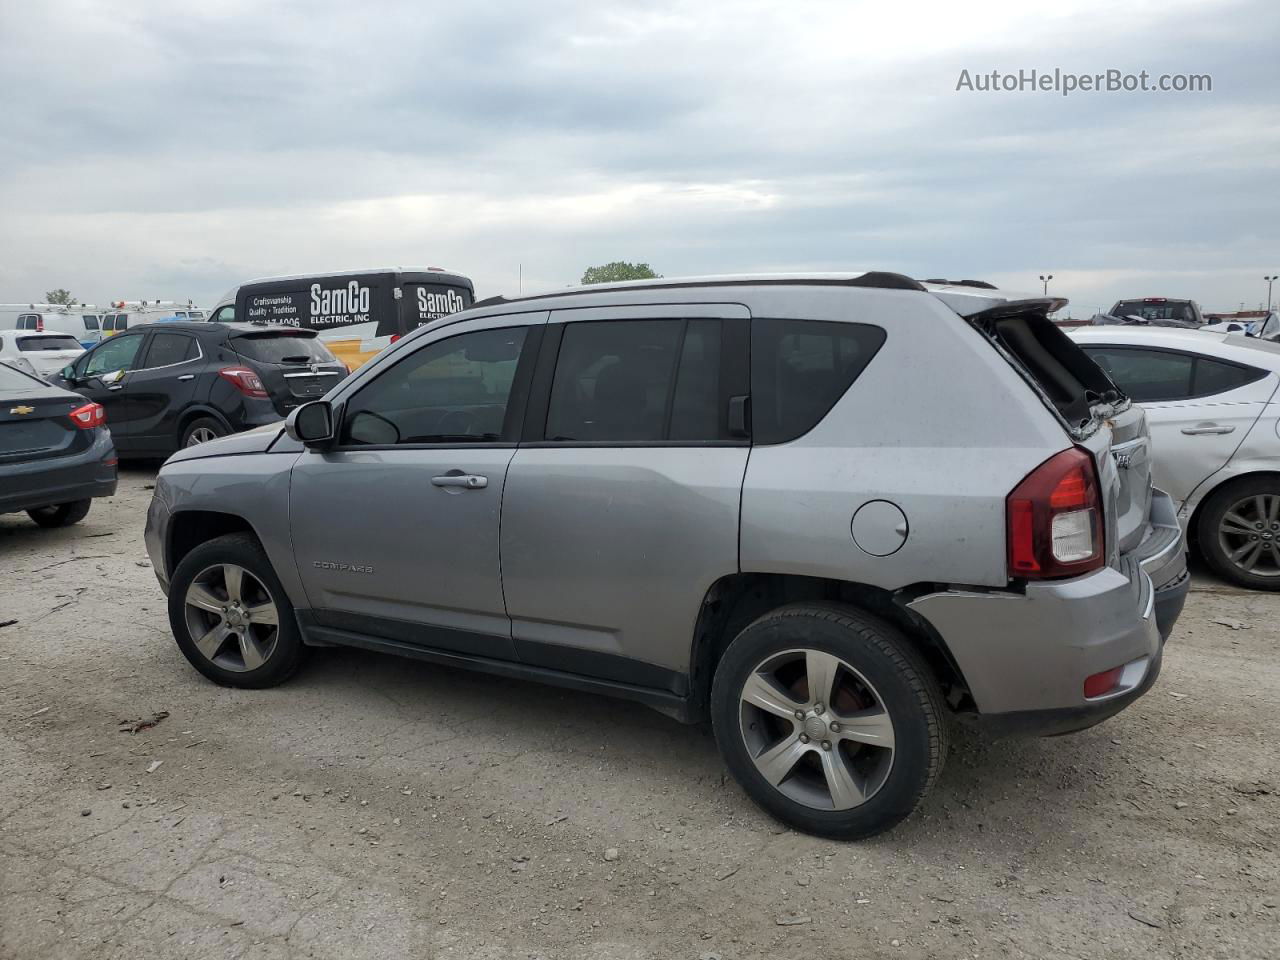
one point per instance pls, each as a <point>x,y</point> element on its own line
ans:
<point>178,384</point>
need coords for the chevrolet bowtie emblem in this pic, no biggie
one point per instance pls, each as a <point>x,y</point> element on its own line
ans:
<point>22,411</point>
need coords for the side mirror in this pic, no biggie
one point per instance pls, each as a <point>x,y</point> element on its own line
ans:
<point>68,373</point>
<point>311,423</point>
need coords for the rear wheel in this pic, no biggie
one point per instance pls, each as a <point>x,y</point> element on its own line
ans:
<point>829,720</point>
<point>1239,532</point>
<point>61,515</point>
<point>202,430</point>
<point>230,615</point>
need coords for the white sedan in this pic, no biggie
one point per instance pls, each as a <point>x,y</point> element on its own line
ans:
<point>1215,434</point>
<point>46,352</point>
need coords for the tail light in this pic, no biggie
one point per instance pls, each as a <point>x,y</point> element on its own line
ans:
<point>39,324</point>
<point>89,416</point>
<point>244,380</point>
<point>1055,519</point>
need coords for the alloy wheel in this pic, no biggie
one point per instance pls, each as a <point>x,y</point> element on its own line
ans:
<point>816,729</point>
<point>201,435</point>
<point>1249,535</point>
<point>231,617</point>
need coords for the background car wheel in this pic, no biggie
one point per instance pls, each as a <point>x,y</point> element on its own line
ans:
<point>62,515</point>
<point>829,720</point>
<point>230,615</point>
<point>202,430</point>
<point>1239,532</point>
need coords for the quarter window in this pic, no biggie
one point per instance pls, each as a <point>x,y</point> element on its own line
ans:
<point>800,368</point>
<point>637,381</point>
<point>225,314</point>
<point>451,391</point>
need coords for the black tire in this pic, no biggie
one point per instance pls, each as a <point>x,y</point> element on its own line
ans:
<point>61,515</point>
<point>201,426</point>
<point>898,677</point>
<point>1215,509</point>
<point>286,651</point>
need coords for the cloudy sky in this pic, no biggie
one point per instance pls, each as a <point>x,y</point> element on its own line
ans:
<point>165,149</point>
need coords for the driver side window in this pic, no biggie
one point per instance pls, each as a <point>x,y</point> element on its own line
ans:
<point>455,390</point>
<point>118,353</point>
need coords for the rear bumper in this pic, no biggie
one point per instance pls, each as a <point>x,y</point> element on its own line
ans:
<point>1025,654</point>
<point>46,483</point>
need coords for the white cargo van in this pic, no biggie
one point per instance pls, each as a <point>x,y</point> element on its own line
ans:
<point>81,320</point>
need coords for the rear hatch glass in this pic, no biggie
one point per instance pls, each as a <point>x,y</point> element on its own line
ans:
<point>35,344</point>
<point>295,366</point>
<point>1095,411</point>
<point>1155,310</point>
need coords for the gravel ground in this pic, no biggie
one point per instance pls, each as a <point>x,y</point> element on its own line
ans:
<point>376,807</point>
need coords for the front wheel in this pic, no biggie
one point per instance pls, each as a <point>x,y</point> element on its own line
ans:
<point>61,515</point>
<point>829,720</point>
<point>1239,532</point>
<point>230,615</point>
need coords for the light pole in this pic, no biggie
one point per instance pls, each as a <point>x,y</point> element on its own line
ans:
<point>1270,280</point>
<point>1045,280</point>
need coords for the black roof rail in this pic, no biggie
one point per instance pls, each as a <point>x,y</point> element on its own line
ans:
<point>980,284</point>
<point>876,278</point>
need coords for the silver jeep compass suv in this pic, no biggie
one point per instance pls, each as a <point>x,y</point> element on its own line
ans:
<point>828,513</point>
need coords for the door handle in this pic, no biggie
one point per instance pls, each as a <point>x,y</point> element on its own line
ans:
<point>468,480</point>
<point>118,386</point>
<point>1202,429</point>
<point>187,376</point>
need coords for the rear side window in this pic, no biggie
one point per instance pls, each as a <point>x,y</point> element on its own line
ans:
<point>90,322</point>
<point>800,368</point>
<point>225,314</point>
<point>1154,375</point>
<point>35,344</point>
<point>637,381</point>
<point>169,348</point>
<point>282,348</point>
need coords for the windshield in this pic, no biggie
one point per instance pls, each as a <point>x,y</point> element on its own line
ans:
<point>1154,310</point>
<point>34,344</point>
<point>282,348</point>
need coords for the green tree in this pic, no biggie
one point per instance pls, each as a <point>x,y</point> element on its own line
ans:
<point>619,270</point>
<point>59,296</point>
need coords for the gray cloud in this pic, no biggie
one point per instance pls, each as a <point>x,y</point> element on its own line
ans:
<point>166,153</point>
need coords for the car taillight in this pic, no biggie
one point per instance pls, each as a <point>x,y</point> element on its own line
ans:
<point>89,416</point>
<point>39,324</point>
<point>1055,519</point>
<point>244,380</point>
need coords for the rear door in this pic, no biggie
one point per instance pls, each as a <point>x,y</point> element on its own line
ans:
<point>161,387</point>
<point>1200,408</point>
<point>101,376</point>
<point>621,505</point>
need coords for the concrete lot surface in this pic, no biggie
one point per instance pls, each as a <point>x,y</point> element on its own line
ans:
<point>376,807</point>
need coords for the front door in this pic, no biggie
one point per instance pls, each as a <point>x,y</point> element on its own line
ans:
<point>395,528</point>
<point>102,376</point>
<point>622,503</point>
